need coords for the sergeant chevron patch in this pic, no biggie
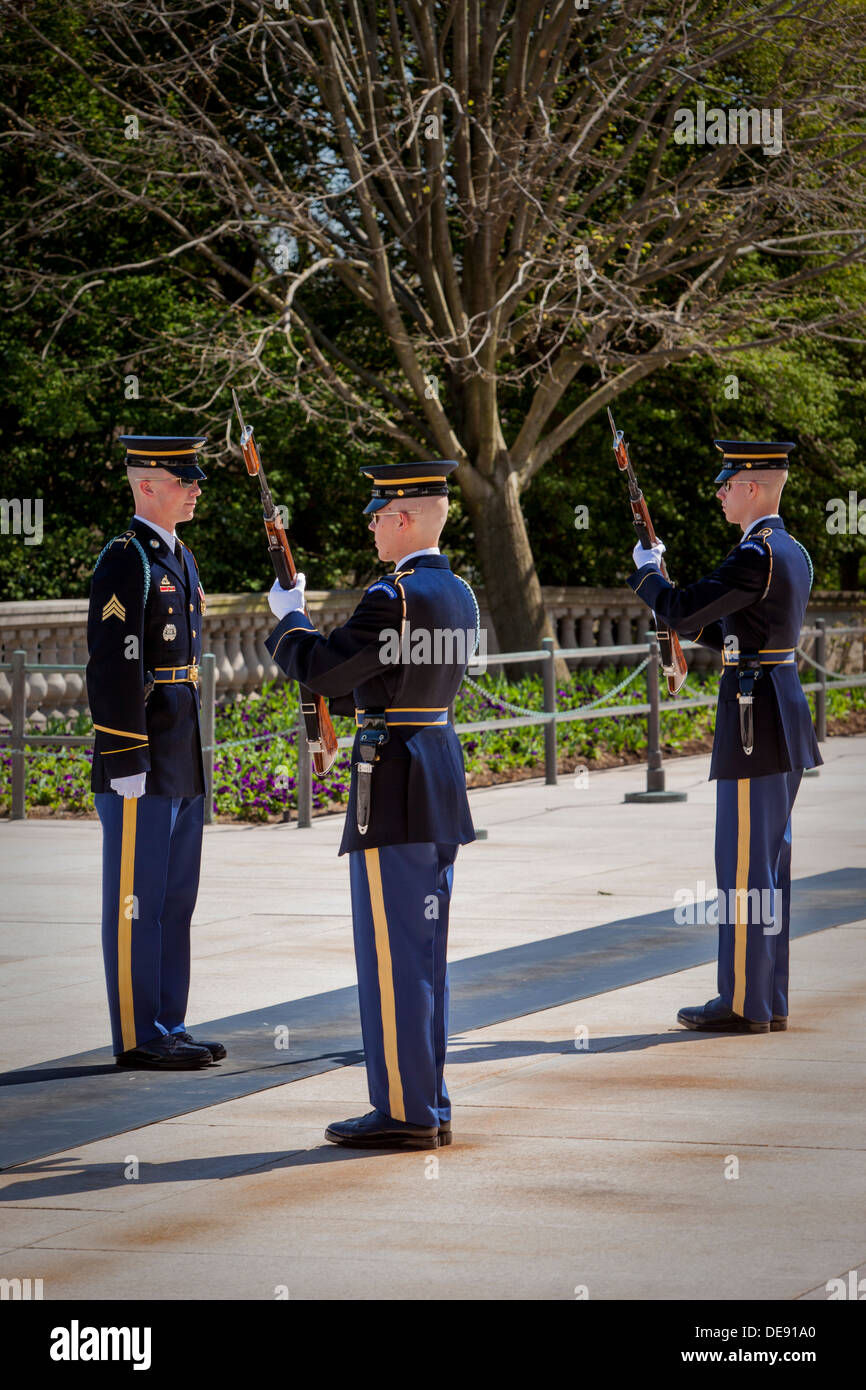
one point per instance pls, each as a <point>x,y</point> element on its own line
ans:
<point>114,609</point>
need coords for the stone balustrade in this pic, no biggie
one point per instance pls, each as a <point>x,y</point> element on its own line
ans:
<point>236,625</point>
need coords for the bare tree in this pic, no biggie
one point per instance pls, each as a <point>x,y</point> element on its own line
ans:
<point>528,207</point>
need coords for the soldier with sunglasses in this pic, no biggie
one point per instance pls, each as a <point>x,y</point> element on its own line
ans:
<point>750,609</point>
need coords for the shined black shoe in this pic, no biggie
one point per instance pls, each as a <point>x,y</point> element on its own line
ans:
<point>444,1133</point>
<point>716,1017</point>
<point>166,1054</point>
<point>779,1023</point>
<point>378,1131</point>
<point>216,1050</point>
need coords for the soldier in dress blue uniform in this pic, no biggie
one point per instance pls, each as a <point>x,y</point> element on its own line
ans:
<point>750,609</point>
<point>408,809</point>
<point>144,645</point>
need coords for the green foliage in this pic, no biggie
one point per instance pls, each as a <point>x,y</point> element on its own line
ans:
<point>810,392</point>
<point>70,353</point>
<point>255,773</point>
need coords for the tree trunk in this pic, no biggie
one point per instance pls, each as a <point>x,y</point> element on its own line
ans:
<point>511,583</point>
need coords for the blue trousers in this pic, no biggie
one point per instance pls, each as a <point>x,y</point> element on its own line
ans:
<point>753,873</point>
<point>400,900</point>
<point>151,856</point>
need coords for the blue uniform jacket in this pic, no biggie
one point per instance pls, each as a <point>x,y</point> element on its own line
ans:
<point>757,600</point>
<point>145,612</point>
<point>419,781</point>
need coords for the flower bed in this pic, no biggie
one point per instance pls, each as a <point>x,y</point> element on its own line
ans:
<point>257,780</point>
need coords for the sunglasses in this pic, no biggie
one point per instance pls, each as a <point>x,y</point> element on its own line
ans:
<point>380,516</point>
<point>185,483</point>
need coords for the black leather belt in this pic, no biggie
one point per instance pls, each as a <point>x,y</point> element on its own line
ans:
<point>169,675</point>
<point>784,656</point>
<point>750,666</point>
<point>398,715</point>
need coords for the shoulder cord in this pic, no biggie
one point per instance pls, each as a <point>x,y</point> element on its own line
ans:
<point>462,581</point>
<point>145,564</point>
<point>808,561</point>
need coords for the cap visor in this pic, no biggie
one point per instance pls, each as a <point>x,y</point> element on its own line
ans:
<point>376,504</point>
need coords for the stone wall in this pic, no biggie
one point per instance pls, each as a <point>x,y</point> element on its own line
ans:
<point>236,625</point>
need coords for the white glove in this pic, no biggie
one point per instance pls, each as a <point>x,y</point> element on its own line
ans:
<point>653,556</point>
<point>133,785</point>
<point>283,601</point>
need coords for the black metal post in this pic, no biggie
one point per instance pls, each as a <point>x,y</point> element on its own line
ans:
<point>19,720</point>
<point>655,773</point>
<point>549,674</point>
<point>208,727</point>
<point>821,695</point>
<point>305,777</point>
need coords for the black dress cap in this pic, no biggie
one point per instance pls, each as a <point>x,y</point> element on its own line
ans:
<point>174,453</point>
<point>392,480</point>
<point>756,455</point>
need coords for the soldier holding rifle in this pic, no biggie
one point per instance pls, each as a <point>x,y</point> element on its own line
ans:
<point>408,809</point>
<point>751,609</point>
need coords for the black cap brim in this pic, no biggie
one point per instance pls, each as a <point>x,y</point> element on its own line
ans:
<point>377,503</point>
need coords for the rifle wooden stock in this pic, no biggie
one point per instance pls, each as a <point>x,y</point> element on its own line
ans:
<point>672,657</point>
<point>320,733</point>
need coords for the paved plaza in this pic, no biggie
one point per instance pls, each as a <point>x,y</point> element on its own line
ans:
<point>599,1149</point>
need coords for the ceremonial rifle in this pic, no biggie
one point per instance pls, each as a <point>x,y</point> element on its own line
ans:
<point>673,660</point>
<point>321,738</point>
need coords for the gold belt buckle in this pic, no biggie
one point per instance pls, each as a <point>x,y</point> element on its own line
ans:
<point>193,673</point>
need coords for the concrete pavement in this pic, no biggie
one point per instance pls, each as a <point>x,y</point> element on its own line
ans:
<point>599,1150</point>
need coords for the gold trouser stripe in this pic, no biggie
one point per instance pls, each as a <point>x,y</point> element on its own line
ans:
<point>744,826</point>
<point>397,1108</point>
<point>124,922</point>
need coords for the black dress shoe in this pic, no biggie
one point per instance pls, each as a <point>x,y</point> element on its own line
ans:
<point>216,1050</point>
<point>378,1131</point>
<point>779,1023</point>
<point>166,1054</point>
<point>444,1133</point>
<point>716,1017</point>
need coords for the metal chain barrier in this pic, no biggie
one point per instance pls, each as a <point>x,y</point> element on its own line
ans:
<point>834,675</point>
<point>242,742</point>
<point>591,704</point>
<point>40,752</point>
